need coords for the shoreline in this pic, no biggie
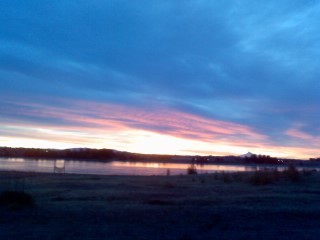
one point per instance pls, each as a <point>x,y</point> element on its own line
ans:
<point>136,168</point>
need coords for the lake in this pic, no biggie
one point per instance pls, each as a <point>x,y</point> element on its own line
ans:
<point>118,167</point>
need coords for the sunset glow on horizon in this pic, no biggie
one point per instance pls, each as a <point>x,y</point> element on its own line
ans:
<point>195,78</point>
<point>86,124</point>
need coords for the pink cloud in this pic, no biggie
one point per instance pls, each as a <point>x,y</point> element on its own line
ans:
<point>84,122</point>
<point>167,121</point>
<point>94,118</point>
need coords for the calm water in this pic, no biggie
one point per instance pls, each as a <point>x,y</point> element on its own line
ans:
<point>115,167</point>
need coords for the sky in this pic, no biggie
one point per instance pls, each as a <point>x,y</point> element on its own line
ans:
<point>160,76</point>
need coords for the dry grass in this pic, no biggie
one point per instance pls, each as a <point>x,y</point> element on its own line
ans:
<point>212,206</point>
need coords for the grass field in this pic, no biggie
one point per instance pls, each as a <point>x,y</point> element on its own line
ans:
<point>259,205</point>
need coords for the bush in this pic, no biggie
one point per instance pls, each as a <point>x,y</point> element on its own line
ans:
<point>268,177</point>
<point>292,173</point>
<point>192,170</point>
<point>16,200</point>
<point>262,178</point>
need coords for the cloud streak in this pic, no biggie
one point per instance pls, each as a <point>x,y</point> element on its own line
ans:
<point>90,124</point>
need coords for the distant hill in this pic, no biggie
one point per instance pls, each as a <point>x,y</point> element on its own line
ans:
<point>111,154</point>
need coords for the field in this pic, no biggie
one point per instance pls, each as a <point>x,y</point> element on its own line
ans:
<point>213,206</point>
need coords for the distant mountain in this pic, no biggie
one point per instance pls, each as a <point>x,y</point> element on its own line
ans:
<point>248,155</point>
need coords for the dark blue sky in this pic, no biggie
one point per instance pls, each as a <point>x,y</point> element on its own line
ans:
<point>207,77</point>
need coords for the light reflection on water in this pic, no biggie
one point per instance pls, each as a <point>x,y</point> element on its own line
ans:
<point>119,167</point>
<point>60,163</point>
<point>184,166</point>
<point>15,160</point>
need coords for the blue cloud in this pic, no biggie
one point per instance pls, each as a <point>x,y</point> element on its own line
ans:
<point>248,62</point>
